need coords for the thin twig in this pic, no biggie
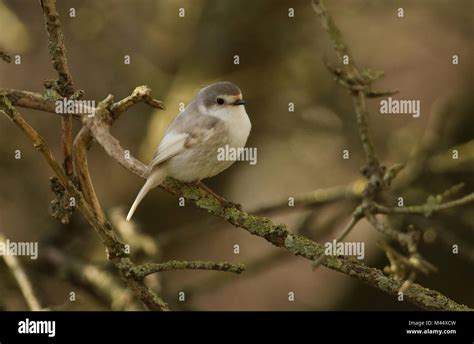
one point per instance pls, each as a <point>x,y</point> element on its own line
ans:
<point>140,94</point>
<point>56,47</point>
<point>141,271</point>
<point>356,216</point>
<point>424,209</point>
<point>216,281</point>
<point>387,230</point>
<point>57,50</point>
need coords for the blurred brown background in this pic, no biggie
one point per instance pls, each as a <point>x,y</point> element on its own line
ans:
<point>280,62</point>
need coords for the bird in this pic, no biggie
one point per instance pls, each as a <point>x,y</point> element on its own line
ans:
<point>214,118</point>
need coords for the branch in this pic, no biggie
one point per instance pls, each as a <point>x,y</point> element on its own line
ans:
<point>357,82</point>
<point>99,126</point>
<point>217,281</point>
<point>276,234</point>
<point>141,271</point>
<point>402,238</point>
<point>29,100</point>
<point>65,88</point>
<point>268,260</point>
<point>356,216</point>
<point>22,279</point>
<point>56,47</point>
<point>139,94</point>
<point>116,249</point>
<point>431,206</point>
<point>82,143</point>
<point>108,112</point>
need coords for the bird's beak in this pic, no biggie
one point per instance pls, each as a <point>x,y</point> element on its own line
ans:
<point>239,102</point>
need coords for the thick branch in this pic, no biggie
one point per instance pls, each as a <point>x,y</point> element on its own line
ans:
<point>277,234</point>
<point>29,100</point>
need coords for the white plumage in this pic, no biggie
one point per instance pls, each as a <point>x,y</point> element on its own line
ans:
<point>188,152</point>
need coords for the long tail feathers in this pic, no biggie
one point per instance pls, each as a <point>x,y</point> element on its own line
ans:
<point>155,179</point>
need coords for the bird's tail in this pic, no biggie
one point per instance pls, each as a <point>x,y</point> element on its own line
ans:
<point>155,179</point>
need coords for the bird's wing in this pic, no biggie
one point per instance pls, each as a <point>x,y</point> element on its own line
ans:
<point>184,134</point>
<point>172,144</point>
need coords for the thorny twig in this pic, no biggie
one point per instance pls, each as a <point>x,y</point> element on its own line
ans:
<point>379,179</point>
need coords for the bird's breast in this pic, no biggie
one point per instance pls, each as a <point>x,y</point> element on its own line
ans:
<point>201,161</point>
<point>238,125</point>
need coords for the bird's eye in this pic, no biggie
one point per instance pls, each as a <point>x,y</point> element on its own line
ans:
<point>220,101</point>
